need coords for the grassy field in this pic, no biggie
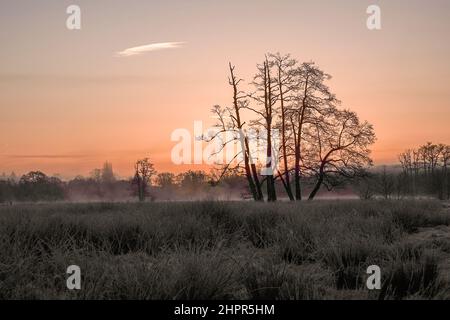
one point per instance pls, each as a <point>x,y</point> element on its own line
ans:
<point>226,250</point>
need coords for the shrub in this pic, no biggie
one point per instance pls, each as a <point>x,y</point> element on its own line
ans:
<point>273,281</point>
<point>349,259</point>
<point>296,241</point>
<point>410,274</point>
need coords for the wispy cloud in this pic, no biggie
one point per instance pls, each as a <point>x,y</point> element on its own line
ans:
<point>148,48</point>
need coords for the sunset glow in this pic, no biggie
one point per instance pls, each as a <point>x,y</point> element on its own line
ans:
<point>70,100</point>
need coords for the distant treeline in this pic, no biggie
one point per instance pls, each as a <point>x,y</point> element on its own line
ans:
<point>424,172</point>
<point>103,185</point>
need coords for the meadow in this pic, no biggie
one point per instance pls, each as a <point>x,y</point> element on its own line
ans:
<point>226,250</point>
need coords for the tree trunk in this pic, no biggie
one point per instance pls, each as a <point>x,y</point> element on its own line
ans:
<point>298,190</point>
<point>287,183</point>
<point>141,190</point>
<point>319,181</point>
<point>248,174</point>
<point>272,195</point>
<point>244,140</point>
<point>257,182</point>
<point>271,192</point>
<point>316,187</point>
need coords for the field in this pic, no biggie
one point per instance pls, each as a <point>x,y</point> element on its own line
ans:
<point>226,250</point>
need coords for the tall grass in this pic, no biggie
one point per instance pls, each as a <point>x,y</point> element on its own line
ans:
<point>219,250</point>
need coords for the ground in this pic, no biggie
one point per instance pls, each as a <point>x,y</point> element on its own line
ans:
<point>226,250</point>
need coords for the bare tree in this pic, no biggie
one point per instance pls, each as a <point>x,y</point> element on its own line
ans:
<point>266,96</point>
<point>386,183</point>
<point>239,102</point>
<point>337,149</point>
<point>230,121</point>
<point>144,171</point>
<point>407,161</point>
<point>166,180</point>
<point>287,83</point>
<point>317,139</point>
<point>313,101</point>
<point>427,169</point>
<point>430,154</point>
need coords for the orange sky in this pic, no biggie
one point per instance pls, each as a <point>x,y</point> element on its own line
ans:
<point>68,102</point>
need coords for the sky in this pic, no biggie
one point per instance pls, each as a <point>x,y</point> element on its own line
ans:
<point>72,99</point>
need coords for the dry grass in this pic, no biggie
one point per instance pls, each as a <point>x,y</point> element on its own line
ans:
<point>220,250</point>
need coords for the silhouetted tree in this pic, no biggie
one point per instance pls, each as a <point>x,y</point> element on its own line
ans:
<point>313,103</point>
<point>338,149</point>
<point>166,180</point>
<point>266,97</point>
<point>288,82</point>
<point>36,186</point>
<point>230,122</point>
<point>296,100</point>
<point>427,167</point>
<point>386,183</point>
<point>144,171</point>
<point>193,180</point>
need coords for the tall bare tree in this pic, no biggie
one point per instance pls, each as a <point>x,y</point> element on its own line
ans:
<point>287,83</point>
<point>266,96</point>
<point>239,102</point>
<point>313,101</point>
<point>230,121</point>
